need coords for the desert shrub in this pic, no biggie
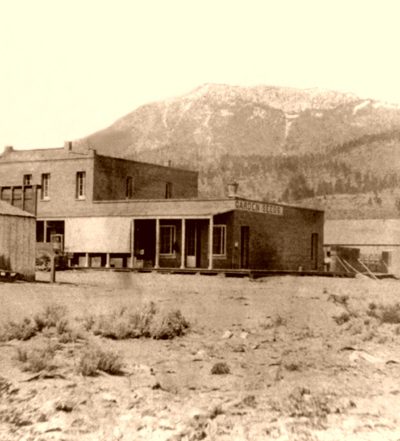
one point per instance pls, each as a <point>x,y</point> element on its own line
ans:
<point>145,322</point>
<point>275,322</point>
<point>279,321</point>
<point>220,368</point>
<point>292,366</point>
<point>390,313</point>
<point>51,321</point>
<point>52,316</point>
<point>249,401</point>
<point>88,321</point>
<point>301,403</point>
<point>71,335</point>
<point>172,324</point>
<point>342,318</point>
<point>37,359</point>
<point>94,359</point>
<point>124,324</point>
<point>385,313</point>
<point>22,330</point>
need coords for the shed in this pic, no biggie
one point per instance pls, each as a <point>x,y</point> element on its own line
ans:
<point>377,241</point>
<point>17,241</point>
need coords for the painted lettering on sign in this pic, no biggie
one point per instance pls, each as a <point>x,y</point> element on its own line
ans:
<point>259,207</point>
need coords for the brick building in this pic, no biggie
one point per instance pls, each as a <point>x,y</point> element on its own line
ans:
<point>105,211</point>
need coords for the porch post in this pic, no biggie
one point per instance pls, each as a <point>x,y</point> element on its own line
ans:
<point>157,258</point>
<point>183,243</point>
<point>210,243</point>
<point>133,243</point>
<point>108,260</point>
<point>45,231</point>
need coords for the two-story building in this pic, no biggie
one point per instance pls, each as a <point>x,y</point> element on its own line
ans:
<point>112,212</point>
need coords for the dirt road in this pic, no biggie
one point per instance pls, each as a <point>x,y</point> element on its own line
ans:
<point>308,359</point>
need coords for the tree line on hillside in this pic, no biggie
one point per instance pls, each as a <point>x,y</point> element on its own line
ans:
<point>301,176</point>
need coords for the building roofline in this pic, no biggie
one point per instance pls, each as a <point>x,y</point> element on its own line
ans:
<point>204,199</point>
<point>74,154</point>
<point>147,163</point>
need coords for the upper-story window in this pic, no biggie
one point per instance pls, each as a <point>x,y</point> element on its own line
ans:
<point>129,187</point>
<point>45,193</point>
<point>168,190</point>
<point>81,185</point>
<point>27,180</point>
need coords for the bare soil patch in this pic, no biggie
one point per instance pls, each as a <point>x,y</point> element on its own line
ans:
<point>284,358</point>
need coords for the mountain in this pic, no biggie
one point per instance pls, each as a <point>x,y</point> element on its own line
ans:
<point>281,144</point>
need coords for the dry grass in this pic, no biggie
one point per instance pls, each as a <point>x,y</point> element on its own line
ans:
<point>37,359</point>
<point>146,322</point>
<point>94,360</point>
<point>52,321</point>
<point>301,403</point>
<point>22,330</point>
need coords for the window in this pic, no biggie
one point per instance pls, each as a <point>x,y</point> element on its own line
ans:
<point>81,185</point>
<point>39,231</point>
<point>168,190</point>
<point>219,240</point>
<point>27,179</point>
<point>167,239</point>
<point>45,186</point>
<point>129,187</point>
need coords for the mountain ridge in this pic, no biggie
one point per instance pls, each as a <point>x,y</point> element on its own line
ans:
<point>218,129</point>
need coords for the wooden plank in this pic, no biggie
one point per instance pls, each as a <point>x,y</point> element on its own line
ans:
<point>343,264</point>
<point>367,269</point>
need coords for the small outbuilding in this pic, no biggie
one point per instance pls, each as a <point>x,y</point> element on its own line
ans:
<point>374,242</point>
<point>17,241</point>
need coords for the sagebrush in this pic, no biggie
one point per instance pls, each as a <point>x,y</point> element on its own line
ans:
<point>93,360</point>
<point>37,359</point>
<point>145,322</point>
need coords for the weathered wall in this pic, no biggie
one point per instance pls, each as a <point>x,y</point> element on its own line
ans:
<point>149,180</point>
<point>17,245</point>
<point>276,241</point>
<point>282,242</point>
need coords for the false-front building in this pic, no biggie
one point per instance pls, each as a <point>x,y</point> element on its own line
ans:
<point>109,212</point>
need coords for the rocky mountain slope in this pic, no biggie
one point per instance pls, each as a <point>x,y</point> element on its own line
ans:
<point>278,143</point>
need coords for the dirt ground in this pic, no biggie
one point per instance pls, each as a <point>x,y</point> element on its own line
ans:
<point>309,359</point>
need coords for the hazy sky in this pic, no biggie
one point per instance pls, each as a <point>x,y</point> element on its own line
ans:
<point>70,68</point>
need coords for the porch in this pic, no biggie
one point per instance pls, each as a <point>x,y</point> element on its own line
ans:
<point>175,242</point>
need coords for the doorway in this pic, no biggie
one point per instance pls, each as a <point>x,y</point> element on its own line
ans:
<point>191,244</point>
<point>244,247</point>
<point>314,250</point>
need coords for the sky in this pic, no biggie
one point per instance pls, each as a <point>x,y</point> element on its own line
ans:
<point>70,68</point>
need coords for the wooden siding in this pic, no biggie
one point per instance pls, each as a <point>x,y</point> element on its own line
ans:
<point>17,245</point>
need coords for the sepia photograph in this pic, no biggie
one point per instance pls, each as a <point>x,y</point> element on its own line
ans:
<point>199,220</point>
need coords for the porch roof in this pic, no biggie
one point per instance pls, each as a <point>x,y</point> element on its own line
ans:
<point>10,210</point>
<point>156,208</point>
<point>167,208</point>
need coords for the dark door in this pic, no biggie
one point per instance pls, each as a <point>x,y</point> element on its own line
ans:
<point>314,250</point>
<point>244,246</point>
<point>191,244</point>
